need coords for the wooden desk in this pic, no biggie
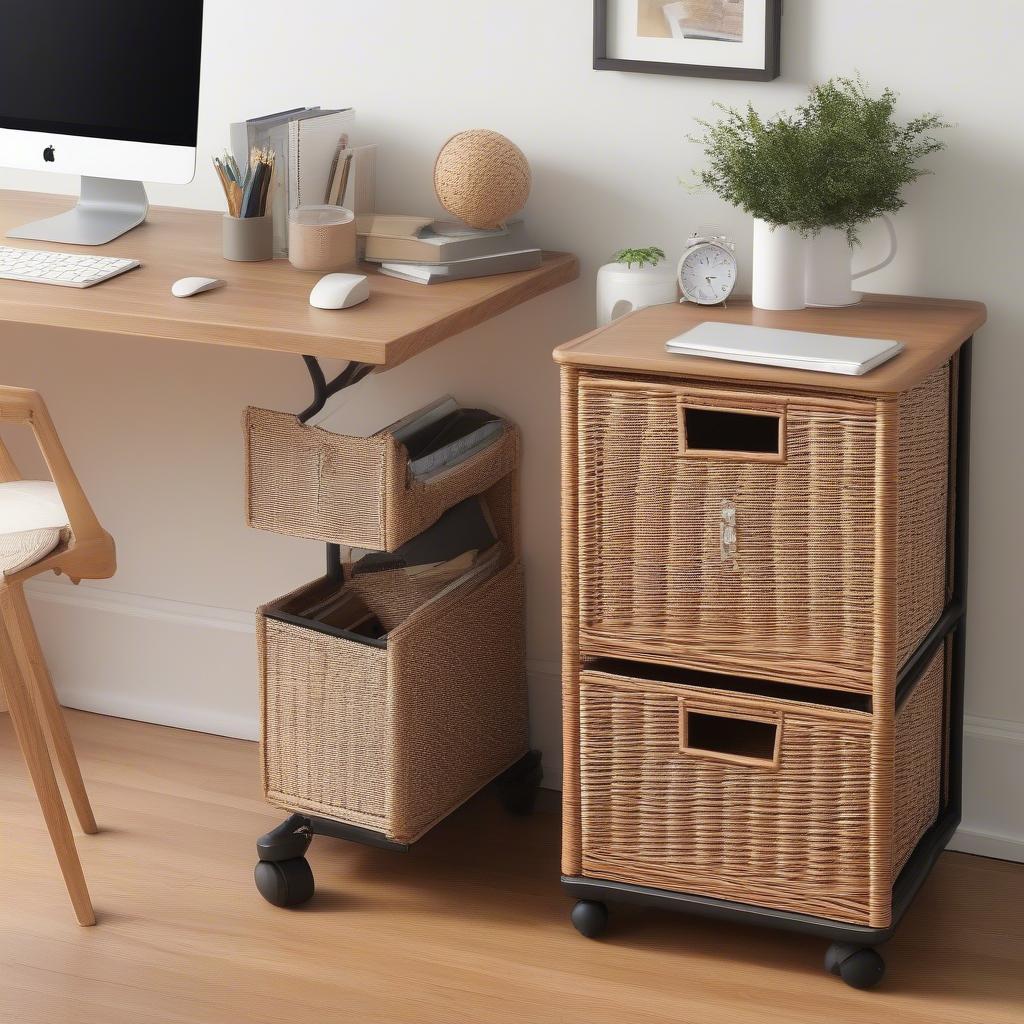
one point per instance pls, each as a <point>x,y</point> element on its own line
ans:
<point>931,329</point>
<point>265,305</point>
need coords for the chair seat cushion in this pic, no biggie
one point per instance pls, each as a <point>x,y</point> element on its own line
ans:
<point>32,523</point>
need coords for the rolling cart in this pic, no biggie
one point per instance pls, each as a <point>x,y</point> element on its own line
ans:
<point>764,698</point>
<point>376,740</point>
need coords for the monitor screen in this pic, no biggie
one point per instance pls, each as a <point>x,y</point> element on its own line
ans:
<point>105,69</point>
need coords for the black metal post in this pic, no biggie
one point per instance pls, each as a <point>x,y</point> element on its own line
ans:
<point>323,388</point>
<point>961,531</point>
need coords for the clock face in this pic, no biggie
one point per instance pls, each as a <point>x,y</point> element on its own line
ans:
<point>707,274</point>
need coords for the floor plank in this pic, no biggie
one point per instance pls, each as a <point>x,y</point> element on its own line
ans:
<point>470,926</point>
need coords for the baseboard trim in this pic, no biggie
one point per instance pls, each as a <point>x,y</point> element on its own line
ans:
<point>993,824</point>
<point>983,844</point>
<point>142,606</point>
<point>994,728</point>
<point>187,666</point>
<point>204,720</point>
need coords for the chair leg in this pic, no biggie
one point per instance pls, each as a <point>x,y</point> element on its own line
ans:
<point>33,668</point>
<point>37,759</point>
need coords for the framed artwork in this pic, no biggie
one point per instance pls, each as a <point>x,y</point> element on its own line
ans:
<point>707,38</point>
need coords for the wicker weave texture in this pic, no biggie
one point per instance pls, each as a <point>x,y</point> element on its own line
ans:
<point>796,834</point>
<point>923,519</point>
<point>393,740</point>
<point>326,724</point>
<point>571,855</point>
<point>918,777</point>
<point>306,482</point>
<point>794,597</point>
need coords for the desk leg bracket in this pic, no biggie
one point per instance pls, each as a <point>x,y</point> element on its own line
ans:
<point>323,388</point>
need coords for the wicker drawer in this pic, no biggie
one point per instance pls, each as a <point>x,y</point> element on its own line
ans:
<point>737,531</point>
<point>749,796</point>
<point>355,491</point>
<point>394,738</point>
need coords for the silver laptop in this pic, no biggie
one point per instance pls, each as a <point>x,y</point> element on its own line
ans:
<point>770,346</point>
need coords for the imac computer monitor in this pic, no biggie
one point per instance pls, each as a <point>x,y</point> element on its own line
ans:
<point>107,89</point>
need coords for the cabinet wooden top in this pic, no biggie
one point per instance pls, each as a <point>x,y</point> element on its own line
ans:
<point>931,329</point>
<point>264,306</point>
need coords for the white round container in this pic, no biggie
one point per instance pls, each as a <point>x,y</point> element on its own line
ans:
<point>622,289</point>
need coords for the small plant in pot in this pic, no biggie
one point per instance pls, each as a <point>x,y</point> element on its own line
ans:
<point>636,278</point>
<point>811,179</point>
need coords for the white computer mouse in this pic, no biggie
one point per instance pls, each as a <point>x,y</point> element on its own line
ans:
<point>189,286</point>
<point>340,291</point>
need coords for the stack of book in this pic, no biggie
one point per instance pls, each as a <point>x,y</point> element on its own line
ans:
<point>437,437</point>
<point>425,251</point>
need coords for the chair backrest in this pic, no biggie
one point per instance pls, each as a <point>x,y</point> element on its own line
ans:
<point>90,554</point>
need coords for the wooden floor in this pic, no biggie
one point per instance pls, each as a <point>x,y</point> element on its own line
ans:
<point>468,928</point>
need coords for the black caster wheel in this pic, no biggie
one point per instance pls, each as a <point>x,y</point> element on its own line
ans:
<point>590,918</point>
<point>518,787</point>
<point>859,966</point>
<point>285,883</point>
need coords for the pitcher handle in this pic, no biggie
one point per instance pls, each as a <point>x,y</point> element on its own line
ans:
<point>888,259</point>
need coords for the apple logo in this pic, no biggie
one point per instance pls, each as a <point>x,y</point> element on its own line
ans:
<point>49,154</point>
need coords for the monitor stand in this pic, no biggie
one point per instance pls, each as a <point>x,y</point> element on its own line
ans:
<point>106,208</point>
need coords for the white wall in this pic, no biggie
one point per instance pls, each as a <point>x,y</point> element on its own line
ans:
<point>154,427</point>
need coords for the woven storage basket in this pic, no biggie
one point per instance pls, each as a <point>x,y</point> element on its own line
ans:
<point>737,531</point>
<point>675,794</point>
<point>393,739</point>
<point>356,491</point>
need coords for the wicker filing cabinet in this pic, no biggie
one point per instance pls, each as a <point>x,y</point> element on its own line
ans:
<point>764,581</point>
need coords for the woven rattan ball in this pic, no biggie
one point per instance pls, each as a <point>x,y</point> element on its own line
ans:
<point>482,178</point>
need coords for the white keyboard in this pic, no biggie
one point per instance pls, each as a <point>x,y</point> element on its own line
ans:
<point>60,268</point>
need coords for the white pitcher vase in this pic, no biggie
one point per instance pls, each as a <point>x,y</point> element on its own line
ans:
<point>829,274</point>
<point>779,267</point>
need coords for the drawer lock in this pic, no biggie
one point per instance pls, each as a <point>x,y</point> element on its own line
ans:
<point>727,532</point>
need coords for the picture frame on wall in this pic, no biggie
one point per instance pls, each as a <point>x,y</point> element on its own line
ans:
<point>738,39</point>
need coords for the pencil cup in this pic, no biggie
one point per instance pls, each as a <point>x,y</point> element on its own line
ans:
<point>248,239</point>
<point>321,238</point>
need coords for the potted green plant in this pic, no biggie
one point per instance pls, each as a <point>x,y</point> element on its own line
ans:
<point>635,279</point>
<point>811,179</point>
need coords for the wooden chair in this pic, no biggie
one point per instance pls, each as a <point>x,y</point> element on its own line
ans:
<point>45,526</point>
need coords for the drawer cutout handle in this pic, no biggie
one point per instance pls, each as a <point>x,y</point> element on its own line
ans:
<point>732,433</point>
<point>753,740</point>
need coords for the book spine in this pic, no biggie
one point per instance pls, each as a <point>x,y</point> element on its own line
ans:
<point>456,452</point>
<point>363,183</point>
<point>294,164</point>
<point>279,142</point>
